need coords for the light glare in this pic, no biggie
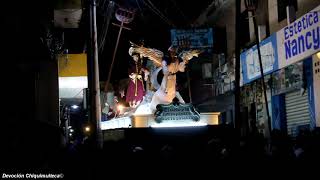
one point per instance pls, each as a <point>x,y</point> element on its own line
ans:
<point>87,129</point>
<point>75,106</point>
<point>166,125</point>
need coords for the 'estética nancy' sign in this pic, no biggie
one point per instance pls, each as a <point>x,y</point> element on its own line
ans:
<point>300,39</point>
<point>176,112</point>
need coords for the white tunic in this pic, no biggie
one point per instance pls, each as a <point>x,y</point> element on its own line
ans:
<point>167,91</point>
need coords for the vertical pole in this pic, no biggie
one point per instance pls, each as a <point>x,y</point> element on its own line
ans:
<point>113,58</point>
<point>97,80</point>
<point>93,76</point>
<point>261,70</point>
<point>237,70</point>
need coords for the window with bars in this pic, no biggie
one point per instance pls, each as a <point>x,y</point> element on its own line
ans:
<point>282,8</point>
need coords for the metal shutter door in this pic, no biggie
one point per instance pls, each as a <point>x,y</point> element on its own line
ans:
<point>297,111</point>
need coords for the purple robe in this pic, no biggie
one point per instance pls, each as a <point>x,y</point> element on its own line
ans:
<point>135,90</point>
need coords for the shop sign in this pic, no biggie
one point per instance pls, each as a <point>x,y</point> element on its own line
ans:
<point>193,38</point>
<point>250,60</point>
<point>300,39</point>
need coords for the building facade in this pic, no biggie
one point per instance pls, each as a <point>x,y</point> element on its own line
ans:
<point>288,35</point>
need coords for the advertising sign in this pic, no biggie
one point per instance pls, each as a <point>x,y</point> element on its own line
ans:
<point>300,39</point>
<point>250,60</point>
<point>194,38</point>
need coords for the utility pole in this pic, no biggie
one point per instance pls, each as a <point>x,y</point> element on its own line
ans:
<point>237,115</point>
<point>251,5</point>
<point>264,88</point>
<point>93,76</point>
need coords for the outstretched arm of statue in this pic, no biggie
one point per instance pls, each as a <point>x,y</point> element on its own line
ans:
<point>187,55</point>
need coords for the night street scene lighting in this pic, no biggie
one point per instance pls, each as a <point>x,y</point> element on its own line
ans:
<point>96,89</point>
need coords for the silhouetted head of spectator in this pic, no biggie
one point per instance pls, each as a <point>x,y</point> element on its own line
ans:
<point>316,132</point>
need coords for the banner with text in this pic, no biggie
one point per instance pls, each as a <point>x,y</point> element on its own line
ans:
<point>193,38</point>
<point>250,60</point>
<point>300,39</point>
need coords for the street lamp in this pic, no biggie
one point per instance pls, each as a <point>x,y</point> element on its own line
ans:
<point>87,129</point>
<point>251,5</point>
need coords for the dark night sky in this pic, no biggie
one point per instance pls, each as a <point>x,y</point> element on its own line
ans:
<point>146,25</point>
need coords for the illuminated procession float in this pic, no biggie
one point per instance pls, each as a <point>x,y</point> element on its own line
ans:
<point>162,105</point>
<point>156,104</point>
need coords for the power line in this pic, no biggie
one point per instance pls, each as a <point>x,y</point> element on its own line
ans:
<point>157,12</point>
<point>105,26</point>
<point>137,2</point>
<point>160,12</point>
<point>179,9</point>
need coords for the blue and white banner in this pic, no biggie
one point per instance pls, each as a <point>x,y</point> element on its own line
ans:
<point>300,39</point>
<point>196,38</point>
<point>250,61</point>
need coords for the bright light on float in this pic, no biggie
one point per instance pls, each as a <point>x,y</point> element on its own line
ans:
<point>143,109</point>
<point>318,55</point>
<point>167,125</point>
<point>120,107</point>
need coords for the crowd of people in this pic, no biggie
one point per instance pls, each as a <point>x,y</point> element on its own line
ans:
<point>224,150</point>
<point>216,150</point>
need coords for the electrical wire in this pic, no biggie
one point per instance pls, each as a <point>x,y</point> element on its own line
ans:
<point>105,25</point>
<point>137,2</point>
<point>163,18</point>
<point>179,9</point>
<point>157,10</point>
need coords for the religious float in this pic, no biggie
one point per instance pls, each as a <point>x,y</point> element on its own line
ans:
<point>161,105</point>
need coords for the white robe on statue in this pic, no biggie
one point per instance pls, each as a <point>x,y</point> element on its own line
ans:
<point>167,91</point>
